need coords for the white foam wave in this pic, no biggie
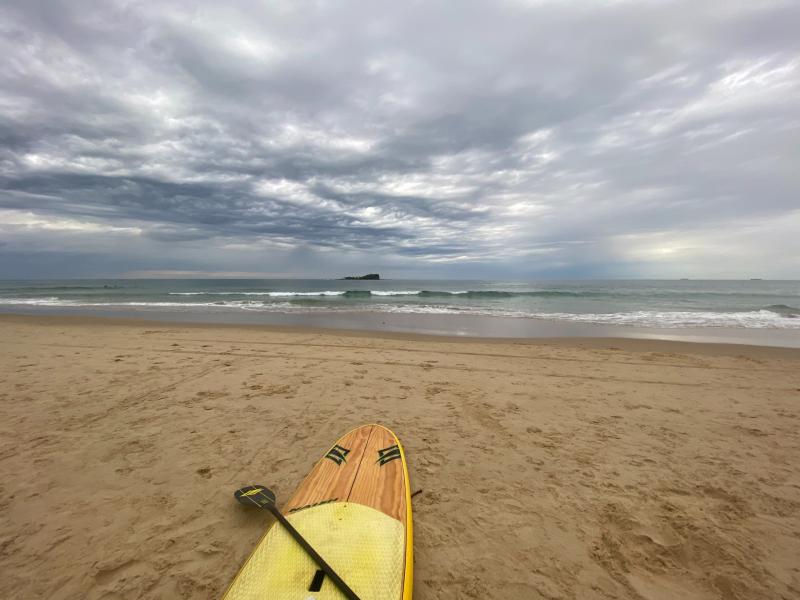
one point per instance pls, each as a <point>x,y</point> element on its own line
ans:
<point>270,294</point>
<point>49,301</point>
<point>302,294</point>
<point>395,293</point>
<point>148,304</point>
<point>756,319</point>
<point>205,293</point>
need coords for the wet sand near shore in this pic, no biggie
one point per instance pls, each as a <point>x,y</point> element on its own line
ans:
<point>569,468</point>
<point>440,325</point>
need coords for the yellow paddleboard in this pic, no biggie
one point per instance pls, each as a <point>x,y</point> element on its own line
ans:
<point>354,508</point>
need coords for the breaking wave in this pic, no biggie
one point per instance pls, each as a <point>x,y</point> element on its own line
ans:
<point>778,316</point>
<point>475,294</point>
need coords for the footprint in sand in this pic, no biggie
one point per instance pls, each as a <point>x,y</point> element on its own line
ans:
<point>663,536</point>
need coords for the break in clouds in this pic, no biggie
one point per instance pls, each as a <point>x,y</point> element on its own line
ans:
<point>517,138</point>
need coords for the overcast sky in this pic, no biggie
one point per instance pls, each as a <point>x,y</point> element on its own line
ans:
<point>498,139</point>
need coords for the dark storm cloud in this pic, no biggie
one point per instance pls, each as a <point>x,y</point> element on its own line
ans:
<point>514,138</point>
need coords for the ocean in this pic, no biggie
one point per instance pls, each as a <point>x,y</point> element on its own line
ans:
<point>636,303</point>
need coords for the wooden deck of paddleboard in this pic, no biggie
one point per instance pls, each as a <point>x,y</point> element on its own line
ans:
<point>364,466</point>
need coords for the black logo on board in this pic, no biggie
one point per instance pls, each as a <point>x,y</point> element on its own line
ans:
<point>388,455</point>
<point>338,454</point>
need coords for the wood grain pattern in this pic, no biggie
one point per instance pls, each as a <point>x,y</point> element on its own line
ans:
<point>371,474</point>
<point>380,482</point>
<point>329,480</point>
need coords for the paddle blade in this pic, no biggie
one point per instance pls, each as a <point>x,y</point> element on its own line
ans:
<point>255,495</point>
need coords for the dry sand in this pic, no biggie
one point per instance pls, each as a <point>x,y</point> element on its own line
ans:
<point>573,469</point>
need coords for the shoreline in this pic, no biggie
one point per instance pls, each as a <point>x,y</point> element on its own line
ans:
<point>442,327</point>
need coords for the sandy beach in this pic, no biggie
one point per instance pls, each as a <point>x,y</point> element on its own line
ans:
<point>630,469</point>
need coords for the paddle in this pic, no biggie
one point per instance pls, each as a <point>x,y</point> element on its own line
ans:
<point>263,497</point>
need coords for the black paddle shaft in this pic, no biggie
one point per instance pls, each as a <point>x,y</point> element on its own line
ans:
<point>343,587</point>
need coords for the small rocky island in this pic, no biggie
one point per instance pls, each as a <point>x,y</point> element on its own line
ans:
<point>367,276</point>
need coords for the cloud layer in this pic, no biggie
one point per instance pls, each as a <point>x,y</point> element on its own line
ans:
<point>464,139</point>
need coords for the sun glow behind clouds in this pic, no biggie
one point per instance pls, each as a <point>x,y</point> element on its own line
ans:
<point>11,220</point>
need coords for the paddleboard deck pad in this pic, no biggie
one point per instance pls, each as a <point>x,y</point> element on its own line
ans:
<point>354,508</point>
